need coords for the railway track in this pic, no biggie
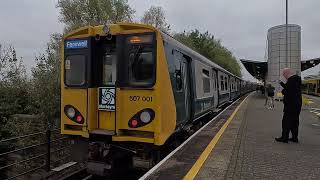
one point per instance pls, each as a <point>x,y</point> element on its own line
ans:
<point>81,174</point>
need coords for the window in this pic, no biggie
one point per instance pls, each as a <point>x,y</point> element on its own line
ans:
<point>226,83</point>
<point>141,68</point>
<point>178,73</point>
<point>214,81</point>
<point>221,83</point>
<point>206,81</point>
<point>136,61</point>
<point>109,69</point>
<point>75,70</point>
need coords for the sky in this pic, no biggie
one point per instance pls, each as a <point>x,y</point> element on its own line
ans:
<point>241,25</point>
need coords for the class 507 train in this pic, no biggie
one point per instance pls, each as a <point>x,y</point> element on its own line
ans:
<point>126,89</point>
<point>311,86</point>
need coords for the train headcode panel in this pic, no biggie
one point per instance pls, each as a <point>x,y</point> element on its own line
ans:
<point>107,98</point>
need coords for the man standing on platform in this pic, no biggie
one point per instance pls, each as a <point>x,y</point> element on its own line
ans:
<point>292,101</point>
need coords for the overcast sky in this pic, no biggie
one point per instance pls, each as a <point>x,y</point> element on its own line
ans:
<point>241,25</point>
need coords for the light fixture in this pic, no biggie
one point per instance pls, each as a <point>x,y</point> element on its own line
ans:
<point>145,116</point>
<point>71,112</point>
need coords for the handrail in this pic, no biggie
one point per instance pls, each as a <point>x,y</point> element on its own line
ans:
<point>50,139</point>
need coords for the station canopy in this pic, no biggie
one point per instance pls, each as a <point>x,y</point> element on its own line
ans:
<point>259,69</point>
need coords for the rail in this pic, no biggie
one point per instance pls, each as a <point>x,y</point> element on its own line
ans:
<point>18,162</point>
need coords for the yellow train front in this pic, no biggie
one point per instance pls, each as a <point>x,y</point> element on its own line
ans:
<point>116,88</point>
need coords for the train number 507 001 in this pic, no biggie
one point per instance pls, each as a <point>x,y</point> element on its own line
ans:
<point>141,98</point>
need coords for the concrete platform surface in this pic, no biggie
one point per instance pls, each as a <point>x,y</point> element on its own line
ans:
<point>247,149</point>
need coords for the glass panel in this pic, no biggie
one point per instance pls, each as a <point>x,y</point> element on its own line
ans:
<point>221,83</point>
<point>205,81</point>
<point>75,70</point>
<point>141,68</point>
<point>109,69</point>
<point>226,83</point>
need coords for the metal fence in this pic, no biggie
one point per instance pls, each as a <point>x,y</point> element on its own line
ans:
<point>33,154</point>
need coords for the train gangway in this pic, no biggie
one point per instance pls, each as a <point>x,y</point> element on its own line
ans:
<point>239,144</point>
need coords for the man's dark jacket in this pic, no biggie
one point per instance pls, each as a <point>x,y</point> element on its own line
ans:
<point>292,94</point>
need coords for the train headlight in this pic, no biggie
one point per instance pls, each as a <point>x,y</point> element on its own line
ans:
<point>71,112</point>
<point>145,116</point>
<point>142,118</point>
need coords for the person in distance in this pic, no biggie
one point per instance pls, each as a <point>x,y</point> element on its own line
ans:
<point>292,101</point>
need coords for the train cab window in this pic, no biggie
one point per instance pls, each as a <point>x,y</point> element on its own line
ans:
<point>206,81</point>
<point>75,70</point>
<point>109,69</point>
<point>141,60</point>
<point>141,67</point>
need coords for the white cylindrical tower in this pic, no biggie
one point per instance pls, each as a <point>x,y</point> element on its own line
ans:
<point>277,52</point>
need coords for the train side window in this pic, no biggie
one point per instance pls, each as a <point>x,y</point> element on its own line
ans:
<point>214,81</point>
<point>75,70</point>
<point>221,83</point>
<point>226,83</point>
<point>178,70</point>
<point>206,81</point>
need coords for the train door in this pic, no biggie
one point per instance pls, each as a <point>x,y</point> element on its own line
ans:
<point>182,87</point>
<point>107,92</point>
<point>215,88</point>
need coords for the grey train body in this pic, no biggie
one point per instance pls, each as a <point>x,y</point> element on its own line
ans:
<point>199,85</point>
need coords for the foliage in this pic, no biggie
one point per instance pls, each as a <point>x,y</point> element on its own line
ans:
<point>208,46</point>
<point>46,80</point>
<point>79,13</point>
<point>13,84</point>
<point>155,16</point>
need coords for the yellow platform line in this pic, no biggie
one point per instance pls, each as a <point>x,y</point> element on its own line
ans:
<point>200,161</point>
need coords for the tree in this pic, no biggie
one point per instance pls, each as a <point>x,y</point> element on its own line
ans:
<point>13,84</point>
<point>46,80</point>
<point>155,16</point>
<point>79,13</point>
<point>211,48</point>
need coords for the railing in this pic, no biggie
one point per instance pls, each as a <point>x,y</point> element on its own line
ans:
<point>40,151</point>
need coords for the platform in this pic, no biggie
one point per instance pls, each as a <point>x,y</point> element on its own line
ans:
<point>246,149</point>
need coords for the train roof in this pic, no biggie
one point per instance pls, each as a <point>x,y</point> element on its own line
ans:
<point>192,52</point>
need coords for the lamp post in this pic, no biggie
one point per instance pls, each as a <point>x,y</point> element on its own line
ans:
<point>287,34</point>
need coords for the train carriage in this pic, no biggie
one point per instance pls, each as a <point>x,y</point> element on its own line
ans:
<point>127,88</point>
<point>311,86</point>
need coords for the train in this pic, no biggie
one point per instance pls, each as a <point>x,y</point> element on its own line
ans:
<point>127,89</point>
<point>311,85</point>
